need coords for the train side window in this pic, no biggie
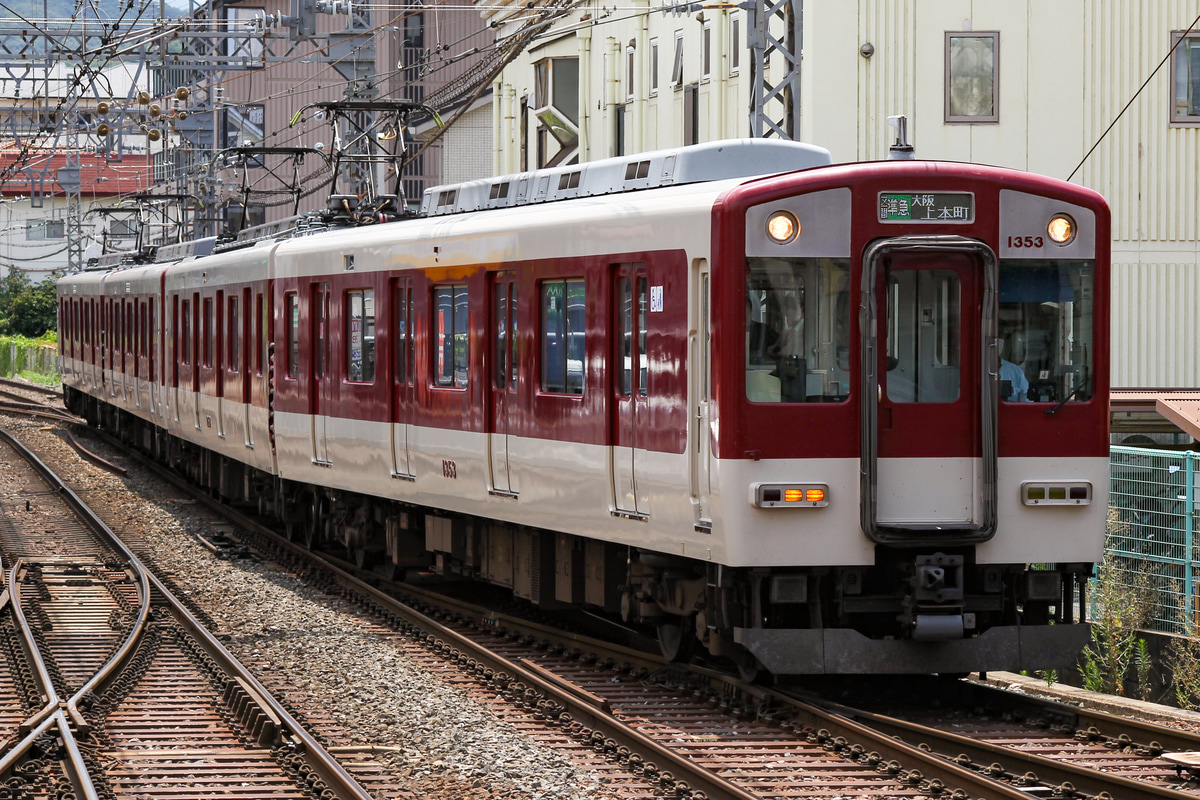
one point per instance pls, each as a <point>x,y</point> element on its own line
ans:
<point>564,309</point>
<point>451,338</point>
<point>1046,330</point>
<point>625,335</point>
<point>185,323</point>
<point>150,322</point>
<point>402,308</point>
<point>360,335</point>
<point>206,338</point>
<point>260,334</point>
<point>232,358</point>
<point>291,304</point>
<point>797,330</point>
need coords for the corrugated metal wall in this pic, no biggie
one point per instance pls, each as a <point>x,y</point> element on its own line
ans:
<point>886,84</point>
<point>1150,172</point>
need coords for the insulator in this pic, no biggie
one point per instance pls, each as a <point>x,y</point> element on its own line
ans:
<point>102,108</point>
<point>154,135</point>
<point>182,93</point>
<point>102,130</point>
<point>183,115</point>
<point>155,110</point>
<point>143,98</point>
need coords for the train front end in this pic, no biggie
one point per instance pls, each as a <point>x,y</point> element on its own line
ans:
<point>910,422</point>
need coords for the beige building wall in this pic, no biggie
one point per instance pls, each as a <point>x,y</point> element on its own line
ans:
<point>1066,69</point>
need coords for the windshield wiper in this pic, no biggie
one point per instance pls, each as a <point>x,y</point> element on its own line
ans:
<point>1052,411</point>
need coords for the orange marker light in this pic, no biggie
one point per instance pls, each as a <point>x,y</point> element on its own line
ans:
<point>814,495</point>
<point>793,495</point>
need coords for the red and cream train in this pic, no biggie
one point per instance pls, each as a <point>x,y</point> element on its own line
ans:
<point>815,418</point>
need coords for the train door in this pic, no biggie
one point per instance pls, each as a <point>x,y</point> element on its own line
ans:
<point>215,342</point>
<point>246,347</point>
<point>701,446</point>
<point>630,397</point>
<point>195,328</point>
<point>401,360</point>
<point>502,406</point>
<point>930,408</point>
<point>320,395</point>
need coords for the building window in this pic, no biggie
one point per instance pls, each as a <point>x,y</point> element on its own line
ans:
<point>972,76</point>
<point>563,315</point>
<point>1185,77</point>
<point>630,60</point>
<point>706,51</point>
<point>360,336</point>
<point>735,44</point>
<point>291,306</point>
<point>691,114</point>
<point>241,41</point>
<point>45,229</point>
<point>677,62</point>
<point>123,228</point>
<point>653,67</point>
<point>450,336</point>
<point>244,128</point>
<point>556,108</point>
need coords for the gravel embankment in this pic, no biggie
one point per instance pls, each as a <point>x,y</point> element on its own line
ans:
<point>447,745</point>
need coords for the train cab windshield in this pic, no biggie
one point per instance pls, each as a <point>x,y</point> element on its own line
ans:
<point>797,330</point>
<point>1046,330</point>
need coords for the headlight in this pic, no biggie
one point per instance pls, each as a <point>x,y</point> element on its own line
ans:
<point>1061,229</point>
<point>782,227</point>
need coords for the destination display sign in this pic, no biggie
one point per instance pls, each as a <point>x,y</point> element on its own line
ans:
<point>927,207</point>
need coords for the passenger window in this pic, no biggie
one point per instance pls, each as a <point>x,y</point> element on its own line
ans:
<point>923,324</point>
<point>207,338</point>
<point>797,330</point>
<point>360,336</point>
<point>402,305</point>
<point>185,325</point>
<point>451,336</point>
<point>1046,330</point>
<point>235,336</point>
<point>564,308</point>
<point>292,316</point>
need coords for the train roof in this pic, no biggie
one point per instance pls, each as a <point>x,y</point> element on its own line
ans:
<point>701,163</point>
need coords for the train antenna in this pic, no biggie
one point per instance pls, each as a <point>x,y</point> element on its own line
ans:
<point>901,150</point>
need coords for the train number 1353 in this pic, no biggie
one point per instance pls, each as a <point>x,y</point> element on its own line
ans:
<point>449,469</point>
<point>1025,241</point>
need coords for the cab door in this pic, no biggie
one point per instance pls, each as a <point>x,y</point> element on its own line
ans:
<point>502,406</point>
<point>929,397</point>
<point>320,397</point>
<point>629,390</point>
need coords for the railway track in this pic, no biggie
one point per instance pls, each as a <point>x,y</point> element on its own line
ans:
<point>112,688</point>
<point>656,729</point>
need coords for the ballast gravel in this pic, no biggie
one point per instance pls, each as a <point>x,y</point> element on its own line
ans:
<point>439,742</point>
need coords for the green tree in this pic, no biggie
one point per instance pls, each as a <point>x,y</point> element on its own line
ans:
<point>27,309</point>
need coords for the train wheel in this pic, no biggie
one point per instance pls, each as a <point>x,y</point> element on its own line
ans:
<point>315,519</point>
<point>675,639</point>
<point>748,667</point>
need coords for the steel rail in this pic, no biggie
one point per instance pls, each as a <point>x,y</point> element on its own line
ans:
<point>588,712</point>
<point>1049,771</point>
<point>324,765</point>
<point>1148,734</point>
